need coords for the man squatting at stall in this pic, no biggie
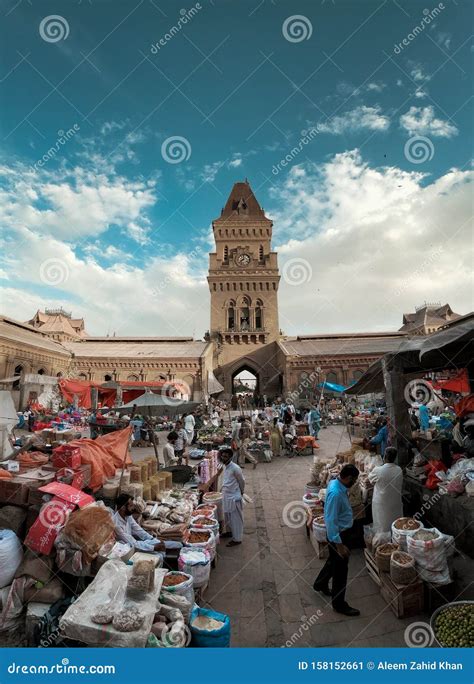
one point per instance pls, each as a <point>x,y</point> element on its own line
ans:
<point>233,486</point>
<point>339,520</point>
<point>128,531</point>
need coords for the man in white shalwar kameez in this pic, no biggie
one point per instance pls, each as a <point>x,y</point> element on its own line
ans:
<point>387,498</point>
<point>233,486</point>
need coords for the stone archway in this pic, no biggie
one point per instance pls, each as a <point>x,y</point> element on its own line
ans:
<point>246,369</point>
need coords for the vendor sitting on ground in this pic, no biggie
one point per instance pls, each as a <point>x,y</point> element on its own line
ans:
<point>128,531</point>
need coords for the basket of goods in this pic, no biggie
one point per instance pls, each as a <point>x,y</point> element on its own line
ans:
<point>453,625</point>
<point>382,556</point>
<point>403,528</point>
<point>402,568</point>
<point>319,529</point>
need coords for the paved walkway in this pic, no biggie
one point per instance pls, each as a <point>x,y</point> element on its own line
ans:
<point>265,585</point>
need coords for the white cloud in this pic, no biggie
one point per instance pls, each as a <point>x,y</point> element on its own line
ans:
<point>418,74</point>
<point>378,241</point>
<point>73,205</point>
<point>422,121</point>
<point>375,87</point>
<point>237,161</point>
<point>358,119</point>
<point>210,171</point>
<point>420,93</point>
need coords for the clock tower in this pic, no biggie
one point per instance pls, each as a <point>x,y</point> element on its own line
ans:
<point>243,281</point>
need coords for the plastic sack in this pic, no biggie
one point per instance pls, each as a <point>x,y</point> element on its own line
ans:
<point>11,555</point>
<point>176,602</point>
<point>197,563</point>
<point>210,545</point>
<point>430,557</point>
<point>368,535</point>
<point>185,588</point>
<point>402,568</point>
<point>219,638</point>
<point>319,529</point>
<point>470,488</point>
<point>381,538</point>
<point>400,536</point>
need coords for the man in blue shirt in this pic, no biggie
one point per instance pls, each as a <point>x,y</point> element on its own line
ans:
<point>338,519</point>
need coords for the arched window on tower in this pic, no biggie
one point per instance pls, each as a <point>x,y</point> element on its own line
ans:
<point>226,254</point>
<point>17,374</point>
<point>260,254</point>
<point>231,316</point>
<point>259,315</point>
<point>244,322</point>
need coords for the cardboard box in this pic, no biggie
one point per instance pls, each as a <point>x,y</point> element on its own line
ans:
<point>65,457</point>
<point>79,478</point>
<point>14,491</point>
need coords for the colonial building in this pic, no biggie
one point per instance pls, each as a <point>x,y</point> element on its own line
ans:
<point>244,330</point>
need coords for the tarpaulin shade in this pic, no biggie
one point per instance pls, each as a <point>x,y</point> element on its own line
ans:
<point>458,384</point>
<point>332,387</point>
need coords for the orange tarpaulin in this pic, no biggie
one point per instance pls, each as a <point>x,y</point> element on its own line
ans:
<point>104,454</point>
<point>459,384</point>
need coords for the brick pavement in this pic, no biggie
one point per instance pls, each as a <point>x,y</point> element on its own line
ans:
<point>265,585</point>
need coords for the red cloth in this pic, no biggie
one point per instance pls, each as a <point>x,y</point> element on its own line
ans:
<point>104,454</point>
<point>458,384</point>
<point>465,406</point>
<point>431,469</point>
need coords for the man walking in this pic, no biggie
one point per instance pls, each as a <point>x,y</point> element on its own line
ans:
<point>233,486</point>
<point>339,520</point>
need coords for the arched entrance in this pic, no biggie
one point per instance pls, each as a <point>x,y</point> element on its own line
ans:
<point>244,386</point>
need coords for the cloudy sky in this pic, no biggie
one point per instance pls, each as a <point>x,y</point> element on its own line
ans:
<point>126,123</point>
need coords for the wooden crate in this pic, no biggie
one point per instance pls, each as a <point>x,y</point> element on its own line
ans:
<point>404,600</point>
<point>371,566</point>
<point>321,548</point>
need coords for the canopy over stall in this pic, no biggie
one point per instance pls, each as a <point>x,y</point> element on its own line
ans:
<point>332,387</point>
<point>451,348</point>
<point>152,404</point>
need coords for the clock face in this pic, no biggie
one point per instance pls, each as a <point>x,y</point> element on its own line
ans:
<point>243,259</point>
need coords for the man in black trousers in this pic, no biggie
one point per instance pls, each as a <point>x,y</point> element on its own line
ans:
<point>338,519</point>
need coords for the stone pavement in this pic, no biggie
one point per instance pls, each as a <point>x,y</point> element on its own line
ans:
<point>265,585</point>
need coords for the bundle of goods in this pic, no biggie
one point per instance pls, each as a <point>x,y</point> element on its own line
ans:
<point>197,563</point>
<point>169,628</point>
<point>197,537</point>
<point>402,568</point>
<point>319,529</point>
<point>402,528</point>
<point>90,528</point>
<point>108,613</point>
<point>209,466</point>
<point>209,629</point>
<point>179,583</point>
<point>382,556</point>
<point>11,555</point>
<point>430,548</point>
<point>453,625</point>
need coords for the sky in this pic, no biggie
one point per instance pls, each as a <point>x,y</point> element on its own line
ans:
<point>125,124</point>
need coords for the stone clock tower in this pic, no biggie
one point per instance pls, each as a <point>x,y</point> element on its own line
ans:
<point>243,281</point>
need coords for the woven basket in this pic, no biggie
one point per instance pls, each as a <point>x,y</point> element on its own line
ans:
<point>402,573</point>
<point>382,556</point>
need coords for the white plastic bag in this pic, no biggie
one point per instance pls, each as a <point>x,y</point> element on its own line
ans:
<point>430,557</point>
<point>319,529</point>
<point>400,536</point>
<point>185,588</point>
<point>197,563</point>
<point>11,555</point>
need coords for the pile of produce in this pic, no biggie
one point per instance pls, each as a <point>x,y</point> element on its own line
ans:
<point>172,579</point>
<point>206,623</point>
<point>198,537</point>
<point>425,535</point>
<point>406,524</point>
<point>454,626</point>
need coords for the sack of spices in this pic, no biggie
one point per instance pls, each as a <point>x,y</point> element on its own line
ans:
<point>402,568</point>
<point>382,556</point>
<point>319,529</point>
<point>403,528</point>
<point>429,549</point>
<point>179,583</point>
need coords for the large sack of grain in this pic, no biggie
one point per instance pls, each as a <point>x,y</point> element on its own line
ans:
<point>428,548</point>
<point>11,555</point>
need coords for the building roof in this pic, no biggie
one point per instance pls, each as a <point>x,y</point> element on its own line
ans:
<point>242,203</point>
<point>16,331</point>
<point>59,325</point>
<point>341,344</point>
<point>428,316</point>
<point>152,347</point>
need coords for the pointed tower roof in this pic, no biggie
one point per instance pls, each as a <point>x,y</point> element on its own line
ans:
<point>242,202</point>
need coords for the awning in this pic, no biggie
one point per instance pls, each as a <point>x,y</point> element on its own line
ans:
<point>332,387</point>
<point>213,384</point>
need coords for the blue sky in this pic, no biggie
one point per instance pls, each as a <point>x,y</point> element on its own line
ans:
<point>109,85</point>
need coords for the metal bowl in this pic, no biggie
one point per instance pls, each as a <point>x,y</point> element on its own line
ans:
<point>439,610</point>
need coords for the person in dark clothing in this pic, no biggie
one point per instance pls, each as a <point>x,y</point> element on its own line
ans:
<point>339,520</point>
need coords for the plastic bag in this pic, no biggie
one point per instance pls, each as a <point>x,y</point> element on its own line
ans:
<point>430,557</point>
<point>218,638</point>
<point>399,536</point>
<point>176,602</point>
<point>197,563</point>
<point>319,529</point>
<point>185,588</point>
<point>11,555</point>
<point>368,535</point>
